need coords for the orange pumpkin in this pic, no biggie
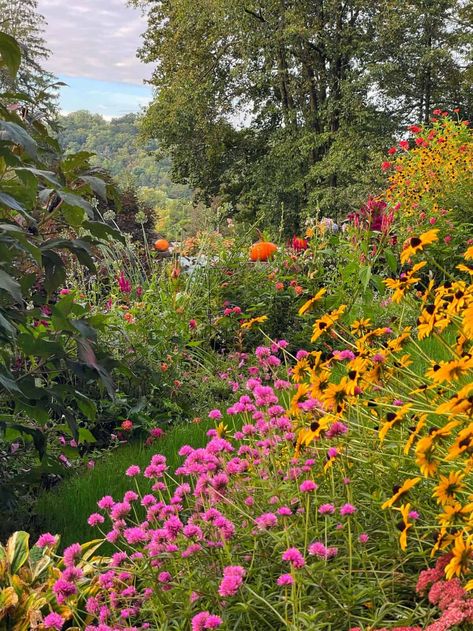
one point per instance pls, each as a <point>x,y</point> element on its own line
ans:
<point>162,245</point>
<point>262,250</point>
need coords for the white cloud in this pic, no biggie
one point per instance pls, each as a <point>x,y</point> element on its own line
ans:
<point>97,39</point>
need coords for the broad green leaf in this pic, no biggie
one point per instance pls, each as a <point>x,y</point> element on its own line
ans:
<point>102,230</point>
<point>10,202</point>
<point>17,550</point>
<point>18,136</point>
<point>86,436</point>
<point>391,260</point>
<point>87,407</point>
<point>98,186</point>
<point>10,53</point>
<point>76,201</point>
<point>9,284</point>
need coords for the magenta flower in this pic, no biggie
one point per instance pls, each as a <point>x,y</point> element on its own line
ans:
<point>53,621</point>
<point>205,620</point>
<point>348,509</point>
<point>267,520</point>
<point>95,519</point>
<point>133,471</point>
<point>45,540</point>
<point>294,557</point>
<point>363,538</point>
<point>308,486</point>
<point>285,579</point>
<point>215,415</point>
<point>124,284</point>
<point>326,509</point>
<point>232,580</point>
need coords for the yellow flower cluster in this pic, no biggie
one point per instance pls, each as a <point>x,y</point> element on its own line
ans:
<point>413,387</point>
<point>440,163</point>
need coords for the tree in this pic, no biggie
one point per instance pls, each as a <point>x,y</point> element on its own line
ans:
<point>279,105</point>
<point>425,58</point>
<point>21,20</point>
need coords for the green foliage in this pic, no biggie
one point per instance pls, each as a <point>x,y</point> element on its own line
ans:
<point>278,107</point>
<point>24,80</point>
<point>48,353</point>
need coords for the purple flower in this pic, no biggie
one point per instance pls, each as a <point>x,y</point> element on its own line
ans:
<point>294,557</point>
<point>285,579</point>
<point>308,486</point>
<point>348,509</point>
<point>267,520</point>
<point>46,539</point>
<point>215,415</point>
<point>53,621</point>
<point>95,519</point>
<point>326,508</point>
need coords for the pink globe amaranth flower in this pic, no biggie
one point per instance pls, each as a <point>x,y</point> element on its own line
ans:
<point>215,415</point>
<point>64,292</point>
<point>267,520</point>
<point>301,354</point>
<point>363,538</point>
<point>308,486</point>
<point>164,577</point>
<point>285,579</point>
<point>91,464</point>
<point>53,621</point>
<point>95,519</point>
<point>45,540</point>
<point>132,471</point>
<point>285,511</point>
<point>127,425</point>
<point>318,549</point>
<point>232,580</point>
<point>72,554</point>
<point>106,503</point>
<point>157,432</point>
<point>294,557</point>
<point>348,509</point>
<point>325,509</point>
<point>205,620</point>
<point>192,324</point>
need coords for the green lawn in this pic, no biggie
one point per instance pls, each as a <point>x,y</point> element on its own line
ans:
<point>65,509</point>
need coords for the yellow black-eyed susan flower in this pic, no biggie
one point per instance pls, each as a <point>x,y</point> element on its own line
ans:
<point>416,244</point>
<point>400,491</point>
<point>309,304</point>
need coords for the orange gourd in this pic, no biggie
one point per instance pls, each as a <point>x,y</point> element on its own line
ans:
<point>162,245</point>
<point>262,250</point>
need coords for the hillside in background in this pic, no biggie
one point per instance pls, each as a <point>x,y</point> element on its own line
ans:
<point>132,164</point>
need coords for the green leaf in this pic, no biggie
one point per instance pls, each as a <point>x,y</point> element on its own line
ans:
<point>18,136</point>
<point>97,185</point>
<point>9,284</point>
<point>86,436</point>
<point>102,230</point>
<point>36,412</point>
<point>86,406</point>
<point>10,53</point>
<point>391,260</point>
<point>17,550</point>
<point>10,202</point>
<point>73,215</point>
<point>76,201</point>
<point>365,275</point>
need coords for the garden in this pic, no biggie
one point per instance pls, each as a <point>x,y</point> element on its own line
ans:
<point>257,425</point>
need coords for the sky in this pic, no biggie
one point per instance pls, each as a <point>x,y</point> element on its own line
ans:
<point>93,45</point>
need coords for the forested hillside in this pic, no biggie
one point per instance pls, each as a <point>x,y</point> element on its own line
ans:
<point>134,165</point>
<point>116,144</point>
